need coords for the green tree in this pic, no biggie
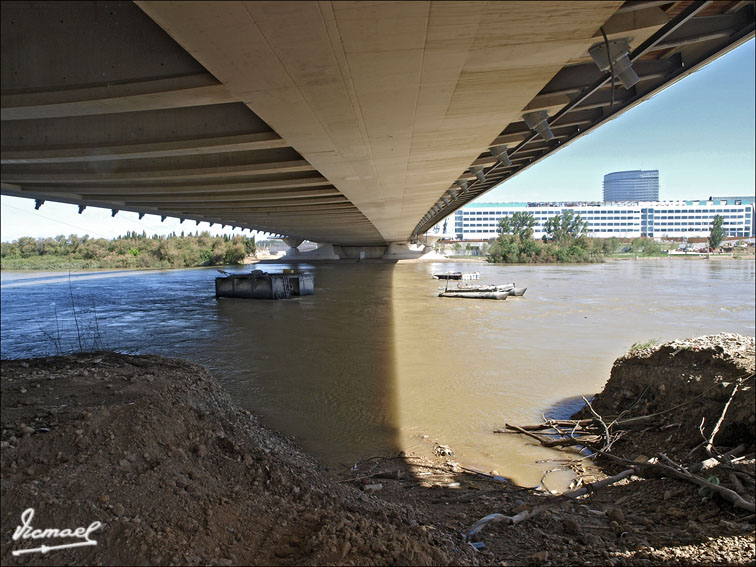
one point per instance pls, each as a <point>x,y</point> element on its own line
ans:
<point>9,249</point>
<point>218,253</point>
<point>27,247</point>
<point>505,248</point>
<point>566,227</point>
<point>645,247</point>
<point>127,251</point>
<point>249,245</point>
<point>94,248</point>
<point>610,245</point>
<point>519,224</point>
<point>235,253</point>
<point>717,233</point>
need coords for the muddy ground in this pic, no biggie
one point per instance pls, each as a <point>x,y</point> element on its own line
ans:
<point>155,450</point>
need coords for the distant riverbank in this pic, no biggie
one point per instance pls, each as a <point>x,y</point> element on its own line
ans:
<point>131,251</point>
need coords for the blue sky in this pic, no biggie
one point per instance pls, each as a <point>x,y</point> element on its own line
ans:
<point>699,134</point>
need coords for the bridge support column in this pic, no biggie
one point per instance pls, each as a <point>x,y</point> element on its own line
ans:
<point>293,244</point>
<point>429,242</point>
<point>401,251</point>
<point>405,251</point>
<point>322,252</point>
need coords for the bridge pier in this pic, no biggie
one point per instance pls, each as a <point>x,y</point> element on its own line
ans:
<point>293,244</point>
<point>324,251</point>
<point>405,251</point>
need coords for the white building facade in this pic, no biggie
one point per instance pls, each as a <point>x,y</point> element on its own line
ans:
<point>657,219</point>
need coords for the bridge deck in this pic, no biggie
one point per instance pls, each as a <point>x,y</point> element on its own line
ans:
<point>337,122</point>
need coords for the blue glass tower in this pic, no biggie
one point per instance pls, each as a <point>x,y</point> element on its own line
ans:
<point>636,185</point>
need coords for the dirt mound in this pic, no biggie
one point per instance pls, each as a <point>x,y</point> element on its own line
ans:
<point>154,450</point>
<point>665,393</point>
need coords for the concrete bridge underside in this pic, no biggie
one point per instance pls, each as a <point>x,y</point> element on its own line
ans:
<point>352,123</point>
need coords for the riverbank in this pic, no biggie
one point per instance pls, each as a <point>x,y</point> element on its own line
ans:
<point>85,265</point>
<point>155,450</point>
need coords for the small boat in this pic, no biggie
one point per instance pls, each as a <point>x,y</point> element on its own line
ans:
<point>457,276</point>
<point>483,291</point>
<point>484,287</point>
<point>476,294</point>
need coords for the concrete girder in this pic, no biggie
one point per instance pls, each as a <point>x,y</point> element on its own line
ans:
<point>183,189</point>
<point>270,206</point>
<point>160,175</point>
<point>640,23</point>
<point>704,28</point>
<point>196,96</point>
<point>187,147</point>
<point>633,5</point>
<point>278,196</point>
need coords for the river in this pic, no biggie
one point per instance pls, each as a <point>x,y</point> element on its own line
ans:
<point>375,362</point>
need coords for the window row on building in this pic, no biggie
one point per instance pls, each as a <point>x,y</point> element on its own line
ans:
<point>625,220</point>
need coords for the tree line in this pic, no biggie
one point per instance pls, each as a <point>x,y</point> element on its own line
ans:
<point>566,240</point>
<point>132,250</point>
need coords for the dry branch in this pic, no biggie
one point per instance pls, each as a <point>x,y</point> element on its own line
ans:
<point>682,473</point>
<point>549,503</point>
<point>563,441</point>
<point>547,424</point>
<point>710,443</point>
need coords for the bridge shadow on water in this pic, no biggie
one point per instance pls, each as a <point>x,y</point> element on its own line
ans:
<point>321,368</point>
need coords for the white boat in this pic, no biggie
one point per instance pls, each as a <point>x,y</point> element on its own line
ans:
<point>484,287</point>
<point>457,276</point>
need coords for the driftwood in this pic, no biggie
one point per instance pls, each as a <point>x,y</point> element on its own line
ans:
<point>550,502</point>
<point>681,472</point>
<point>548,424</point>
<point>602,442</point>
<point>714,461</point>
<point>710,442</point>
<point>677,471</point>
<point>546,441</point>
<point>597,436</point>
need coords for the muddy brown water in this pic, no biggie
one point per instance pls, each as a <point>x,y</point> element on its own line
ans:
<point>375,362</point>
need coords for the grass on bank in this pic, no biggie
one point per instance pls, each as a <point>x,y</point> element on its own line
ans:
<point>644,345</point>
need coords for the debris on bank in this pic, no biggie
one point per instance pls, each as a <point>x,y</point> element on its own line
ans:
<point>680,413</point>
<point>675,394</point>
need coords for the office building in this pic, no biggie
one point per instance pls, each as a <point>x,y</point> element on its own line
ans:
<point>636,185</point>
<point>742,200</point>
<point>665,219</point>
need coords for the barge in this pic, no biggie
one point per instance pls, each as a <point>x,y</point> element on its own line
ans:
<point>483,291</point>
<point>262,285</point>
